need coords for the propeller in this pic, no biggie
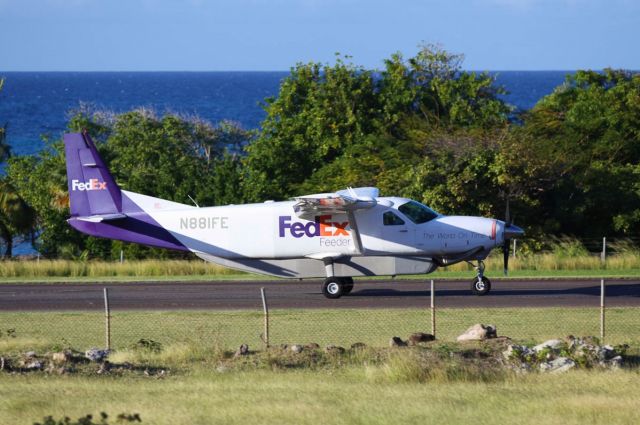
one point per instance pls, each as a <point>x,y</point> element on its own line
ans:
<point>507,241</point>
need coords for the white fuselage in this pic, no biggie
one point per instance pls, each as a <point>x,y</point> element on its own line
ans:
<point>271,230</point>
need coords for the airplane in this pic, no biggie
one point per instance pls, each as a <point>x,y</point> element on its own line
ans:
<point>335,236</point>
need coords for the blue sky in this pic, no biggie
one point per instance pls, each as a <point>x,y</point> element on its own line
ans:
<point>197,35</point>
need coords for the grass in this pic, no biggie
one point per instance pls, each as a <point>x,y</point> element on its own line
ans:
<point>227,330</point>
<point>351,395</point>
<point>626,264</point>
<point>439,383</point>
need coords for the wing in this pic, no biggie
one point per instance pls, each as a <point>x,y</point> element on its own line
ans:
<point>343,201</point>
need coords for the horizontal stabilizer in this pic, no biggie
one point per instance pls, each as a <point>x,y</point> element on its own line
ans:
<point>102,217</point>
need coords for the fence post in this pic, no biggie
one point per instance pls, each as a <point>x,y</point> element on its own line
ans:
<point>602,308</point>
<point>107,317</point>
<point>514,248</point>
<point>121,256</point>
<point>603,254</point>
<point>265,308</point>
<point>433,310</point>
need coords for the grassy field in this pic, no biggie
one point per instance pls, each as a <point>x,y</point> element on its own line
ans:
<point>204,385</point>
<point>535,266</point>
<point>363,394</point>
<point>82,330</point>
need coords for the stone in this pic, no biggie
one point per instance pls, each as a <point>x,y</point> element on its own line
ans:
<point>395,341</point>
<point>96,355</point>
<point>60,357</point>
<point>30,354</point>
<point>615,363</point>
<point>519,352</point>
<point>296,348</point>
<point>312,346</point>
<point>358,346</point>
<point>553,344</point>
<point>559,365</point>
<point>104,367</point>
<point>334,349</point>
<point>243,350</point>
<point>32,365</point>
<point>478,332</point>
<point>418,337</point>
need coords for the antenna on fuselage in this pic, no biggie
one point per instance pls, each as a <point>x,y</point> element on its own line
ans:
<point>194,202</point>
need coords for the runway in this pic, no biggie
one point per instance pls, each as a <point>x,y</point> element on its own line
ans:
<point>232,295</point>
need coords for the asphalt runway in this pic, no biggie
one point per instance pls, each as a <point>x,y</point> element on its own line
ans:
<point>231,295</point>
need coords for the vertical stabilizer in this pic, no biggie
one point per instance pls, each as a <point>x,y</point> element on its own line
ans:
<point>92,189</point>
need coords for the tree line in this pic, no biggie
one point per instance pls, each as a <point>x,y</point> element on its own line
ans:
<point>421,127</point>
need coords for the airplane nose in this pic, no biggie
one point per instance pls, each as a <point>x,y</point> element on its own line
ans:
<point>512,231</point>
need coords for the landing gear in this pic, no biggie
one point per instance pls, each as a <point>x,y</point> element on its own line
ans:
<point>335,287</point>
<point>481,285</point>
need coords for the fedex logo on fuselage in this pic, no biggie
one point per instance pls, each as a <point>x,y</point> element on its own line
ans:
<point>321,226</point>
<point>92,184</point>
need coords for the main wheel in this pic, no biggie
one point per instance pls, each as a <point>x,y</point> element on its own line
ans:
<point>480,286</point>
<point>348,284</point>
<point>333,287</point>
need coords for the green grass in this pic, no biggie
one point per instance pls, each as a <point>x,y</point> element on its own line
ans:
<point>356,395</point>
<point>533,266</point>
<point>229,329</point>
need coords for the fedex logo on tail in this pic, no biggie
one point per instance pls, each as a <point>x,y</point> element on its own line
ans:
<point>92,184</point>
<point>321,226</point>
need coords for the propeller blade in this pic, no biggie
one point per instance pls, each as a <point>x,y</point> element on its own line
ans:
<point>505,254</point>
<point>507,215</point>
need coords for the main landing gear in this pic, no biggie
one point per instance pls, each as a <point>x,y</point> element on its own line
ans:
<point>480,285</point>
<point>335,287</point>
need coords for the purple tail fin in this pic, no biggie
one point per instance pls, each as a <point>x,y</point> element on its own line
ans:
<point>92,189</point>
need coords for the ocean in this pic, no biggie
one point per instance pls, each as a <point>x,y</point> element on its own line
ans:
<point>36,104</point>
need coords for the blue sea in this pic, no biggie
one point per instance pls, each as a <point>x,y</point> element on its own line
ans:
<point>36,104</point>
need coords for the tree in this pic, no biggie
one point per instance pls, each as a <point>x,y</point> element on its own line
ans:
<point>577,154</point>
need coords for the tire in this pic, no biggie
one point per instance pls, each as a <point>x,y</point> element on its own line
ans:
<point>333,287</point>
<point>348,285</point>
<point>480,287</point>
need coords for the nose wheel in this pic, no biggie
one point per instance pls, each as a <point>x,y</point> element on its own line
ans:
<point>480,285</point>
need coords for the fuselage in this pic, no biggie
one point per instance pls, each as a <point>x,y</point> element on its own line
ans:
<point>271,230</point>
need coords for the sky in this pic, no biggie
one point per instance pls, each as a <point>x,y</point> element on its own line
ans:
<point>274,35</point>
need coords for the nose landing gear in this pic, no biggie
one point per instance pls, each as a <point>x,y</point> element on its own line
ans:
<point>480,285</point>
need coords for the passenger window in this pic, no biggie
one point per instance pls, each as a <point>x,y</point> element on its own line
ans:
<point>390,219</point>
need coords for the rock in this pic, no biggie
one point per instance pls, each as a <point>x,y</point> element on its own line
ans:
<point>418,337</point>
<point>312,346</point>
<point>296,348</point>
<point>559,365</point>
<point>104,367</point>
<point>32,365</point>
<point>553,344</point>
<point>517,352</point>
<point>60,357</point>
<point>478,332</point>
<point>358,346</point>
<point>615,363</point>
<point>30,354</point>
<point>334,349</point>
<point>395,341</point>
<point>243,350</point>
<point>96,355</point>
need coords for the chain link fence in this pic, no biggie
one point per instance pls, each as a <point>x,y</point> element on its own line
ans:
<point>122,327</point>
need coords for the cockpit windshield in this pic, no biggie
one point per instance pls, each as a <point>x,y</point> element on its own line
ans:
<point>417,212</point>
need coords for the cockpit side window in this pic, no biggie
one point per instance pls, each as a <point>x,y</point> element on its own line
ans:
<point>390,219</point>
<point>417,212</point>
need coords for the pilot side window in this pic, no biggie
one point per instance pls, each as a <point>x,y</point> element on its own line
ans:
<point>417,212</point>
<point>390,219</point>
